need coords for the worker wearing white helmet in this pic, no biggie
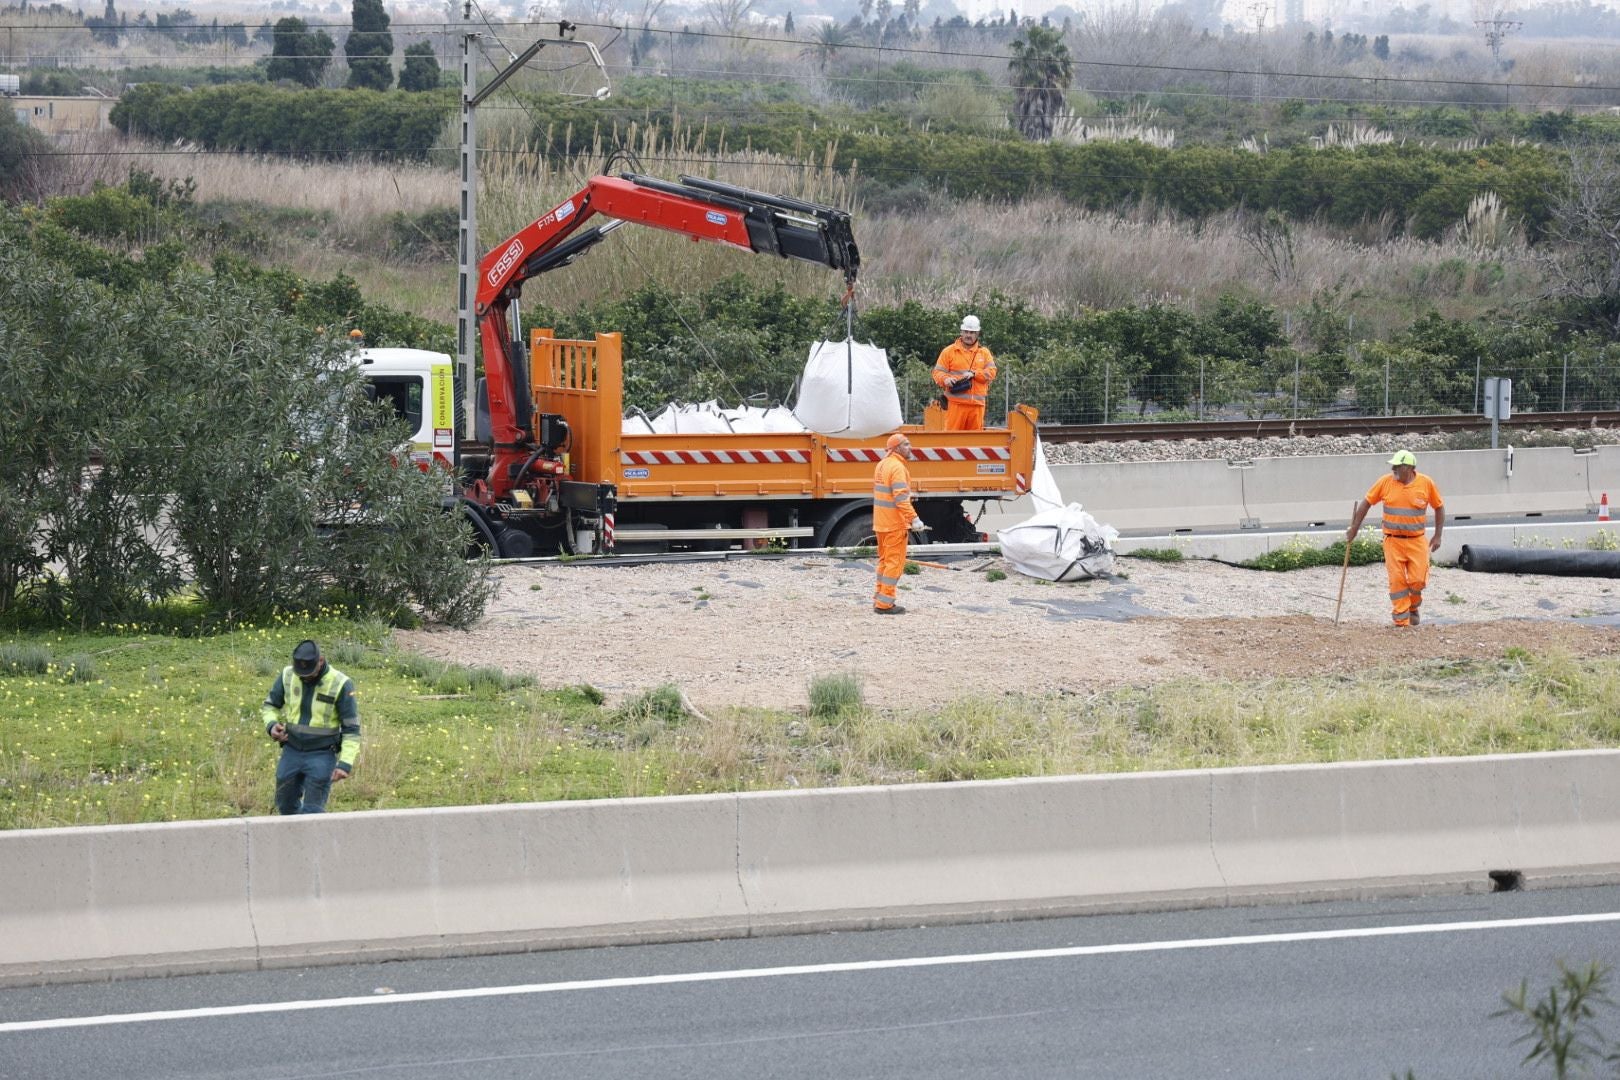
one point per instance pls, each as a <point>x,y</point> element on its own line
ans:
<point>964,371</point>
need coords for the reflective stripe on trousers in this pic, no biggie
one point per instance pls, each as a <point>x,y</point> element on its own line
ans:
<point>891,545</point>
<point>1406,558</point>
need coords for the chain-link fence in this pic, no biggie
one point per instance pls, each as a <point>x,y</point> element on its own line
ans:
<point>1380,382</point>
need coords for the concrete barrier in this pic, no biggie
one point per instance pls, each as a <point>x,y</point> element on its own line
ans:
<point>230,895</point>
<point>86,903</point>
<point>483,879</point>
<point>1170,496</point>
<point>1236,511</point>
<point>1243,546</point>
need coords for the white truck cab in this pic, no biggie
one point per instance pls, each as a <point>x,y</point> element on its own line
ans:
<point>420,387</point>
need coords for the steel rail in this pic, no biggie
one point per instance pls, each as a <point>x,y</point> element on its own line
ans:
<point>1315,426</point>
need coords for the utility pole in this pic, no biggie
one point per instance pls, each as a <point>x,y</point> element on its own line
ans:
<point>1258,11</point>
<point>467,250</point>
<point>1496,32</point>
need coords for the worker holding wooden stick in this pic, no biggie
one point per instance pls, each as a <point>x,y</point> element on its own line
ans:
<point>1407,496</point>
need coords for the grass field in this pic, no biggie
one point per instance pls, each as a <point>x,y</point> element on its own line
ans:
<point>130,724</point>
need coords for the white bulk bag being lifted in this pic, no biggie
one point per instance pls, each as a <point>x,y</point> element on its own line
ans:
<point>1061,544</point>
<point>848,390</point>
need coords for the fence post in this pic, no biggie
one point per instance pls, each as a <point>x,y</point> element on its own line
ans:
<point>1563,391</point>
<point>1200,388</point>
<point>906,416</point>
<point>1296,385</point>
<point>1006,397</point>
<point>1386,384</point>
<point>1108,375</point>
<point>1476,385</point>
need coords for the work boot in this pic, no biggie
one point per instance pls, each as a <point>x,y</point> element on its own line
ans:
<point>1414,614</point>
<point>895,610</point>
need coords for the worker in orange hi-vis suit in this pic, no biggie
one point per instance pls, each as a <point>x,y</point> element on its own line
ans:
<point>1407,496</point>
<point>964,371</point>
<point>893,517</point>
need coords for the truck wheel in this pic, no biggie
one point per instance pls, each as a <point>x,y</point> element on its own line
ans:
<point>513,544</point>
<point>482,538</point>
<point>854,531</point>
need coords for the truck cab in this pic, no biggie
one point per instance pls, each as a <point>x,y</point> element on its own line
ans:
<point>419,386</point>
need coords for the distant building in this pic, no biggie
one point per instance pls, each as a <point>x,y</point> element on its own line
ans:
<point>63,115</point>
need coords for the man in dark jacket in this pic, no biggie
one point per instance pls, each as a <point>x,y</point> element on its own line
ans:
<point>312,712</point>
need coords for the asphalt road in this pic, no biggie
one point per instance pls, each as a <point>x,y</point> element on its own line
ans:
<point>1318,990</point>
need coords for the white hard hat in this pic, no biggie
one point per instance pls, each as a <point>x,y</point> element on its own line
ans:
<point>970,323</point>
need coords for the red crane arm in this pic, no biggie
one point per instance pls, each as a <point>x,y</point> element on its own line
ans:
<point>701,209</point>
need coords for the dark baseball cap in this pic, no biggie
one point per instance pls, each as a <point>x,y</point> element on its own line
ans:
<point>306,658</point>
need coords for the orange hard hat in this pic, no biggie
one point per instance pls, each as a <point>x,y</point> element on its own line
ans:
<point>897,440</point>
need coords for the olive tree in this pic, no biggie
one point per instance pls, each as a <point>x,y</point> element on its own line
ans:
<point>190,433</point>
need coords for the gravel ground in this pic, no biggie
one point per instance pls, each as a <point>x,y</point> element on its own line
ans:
<point>755,631</point>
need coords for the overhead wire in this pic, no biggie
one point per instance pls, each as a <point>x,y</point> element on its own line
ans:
<point>965,54</point>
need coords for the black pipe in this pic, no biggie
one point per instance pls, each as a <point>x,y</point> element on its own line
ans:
<point>1507,560</point>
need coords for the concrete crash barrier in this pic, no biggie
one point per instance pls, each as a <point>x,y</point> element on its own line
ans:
<point>124,901</point>
<point>1508,560</point>
<point>1172,496</point>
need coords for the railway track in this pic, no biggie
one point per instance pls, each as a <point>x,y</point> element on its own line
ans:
<point>1332,425</point>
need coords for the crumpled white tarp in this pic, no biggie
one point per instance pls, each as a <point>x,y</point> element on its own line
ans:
<point>1043,489</point>
<point>848,390</point>
<point>1061,542</point>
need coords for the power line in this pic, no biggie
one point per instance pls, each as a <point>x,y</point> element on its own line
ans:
<point>957,54</point>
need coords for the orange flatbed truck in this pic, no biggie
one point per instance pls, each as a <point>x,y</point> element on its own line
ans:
<point>549,467</point>
<point>805,488</point>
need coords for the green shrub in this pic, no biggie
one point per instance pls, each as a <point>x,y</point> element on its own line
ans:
<point>995,575</point>
<point>416,666</point>
<point>24,659</point>
<point>832,696</point>
<point>911,568</point>
<point>1157,554</point>
<point>493,679</point>
<point>1297,554</point>
<point>80,668</point>
<point>660,705</point>
<point>583,692</point>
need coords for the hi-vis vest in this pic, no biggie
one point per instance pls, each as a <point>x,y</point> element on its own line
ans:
<point>891,496</point>
<point>325,728</point>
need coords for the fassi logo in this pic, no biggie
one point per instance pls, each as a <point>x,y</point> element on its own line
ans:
<point>508,259</point>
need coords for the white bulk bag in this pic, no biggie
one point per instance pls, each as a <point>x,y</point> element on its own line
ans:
<point>702,419</point>
<point>1062,544</point>
<point>848,390</point>
<point>753,420</point>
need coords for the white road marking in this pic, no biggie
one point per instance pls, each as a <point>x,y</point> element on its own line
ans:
<point>807,969</point>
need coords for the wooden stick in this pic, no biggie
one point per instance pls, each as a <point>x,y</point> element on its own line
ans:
<point>1343,574</point>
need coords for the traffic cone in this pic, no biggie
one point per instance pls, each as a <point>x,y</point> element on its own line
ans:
<point>1603,507</point>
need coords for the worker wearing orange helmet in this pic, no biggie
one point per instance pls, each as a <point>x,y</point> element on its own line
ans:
<point>893,517</point>
<point>965,370</point>
<point>1407,496</point>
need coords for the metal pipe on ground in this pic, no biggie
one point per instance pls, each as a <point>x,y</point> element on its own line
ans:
<point>1507,560</point>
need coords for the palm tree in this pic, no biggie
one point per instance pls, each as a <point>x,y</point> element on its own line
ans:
<point>830,37</point>
<point>1041,69</point>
